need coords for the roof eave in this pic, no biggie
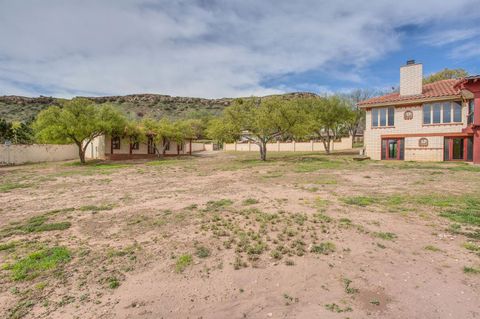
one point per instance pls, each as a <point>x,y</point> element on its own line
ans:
<point>411,102</point>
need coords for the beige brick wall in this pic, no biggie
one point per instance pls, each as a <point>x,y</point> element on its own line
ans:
<point>411,78</point>
<point>434,150</point>
<point>345,143</point>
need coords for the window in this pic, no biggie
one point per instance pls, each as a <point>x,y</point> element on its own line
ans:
<point>391,116</point>
<point>470,111</point>
<point>180,146</point>
<point>437,118</point>
<point>384,116</point>
<point>441,113</point>
<point>447,113</point>
<point>167,145</point>
<point>426,114</point>
<point>115,142</point>
<point>457,112</point>
<point>375,117</point>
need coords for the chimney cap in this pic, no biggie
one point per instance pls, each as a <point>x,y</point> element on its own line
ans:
<point>410,62</point>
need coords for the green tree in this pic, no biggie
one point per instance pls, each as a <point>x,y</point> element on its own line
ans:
<point>16,132</point>
<point>328,118</point>
<point>79,121</point>
<point>445,74</point>
<point>259,120</point>
<point>356,121</point>
<point>164,130</point>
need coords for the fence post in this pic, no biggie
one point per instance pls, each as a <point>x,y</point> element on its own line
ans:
<point>294,146</point>
<point>311,142</point>
<point>249,147</point>
<point>278,146</point>
<point>235,146</point>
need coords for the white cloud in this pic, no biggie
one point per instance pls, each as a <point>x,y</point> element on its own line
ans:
<point>207,48</point>
<point>444,37</point>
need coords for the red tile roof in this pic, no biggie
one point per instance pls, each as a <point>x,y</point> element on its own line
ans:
<point>430,91</point>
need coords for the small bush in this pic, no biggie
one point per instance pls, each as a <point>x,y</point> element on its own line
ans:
<point>202,252</point>
<point>385,236</point>
<point>183,262</point>
<point>216,205</point>
<point>113,282</point>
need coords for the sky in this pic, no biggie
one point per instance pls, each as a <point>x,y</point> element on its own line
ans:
<point>228,48</point>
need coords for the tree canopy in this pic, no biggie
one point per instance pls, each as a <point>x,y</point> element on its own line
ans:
<point>16,132</point>
<point>259,120</point>
<point>79,121</point>
<point>328,118</point>
<point>445,74</point>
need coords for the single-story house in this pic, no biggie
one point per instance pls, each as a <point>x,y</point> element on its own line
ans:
<point>439,121</point>
<point>120,148</point>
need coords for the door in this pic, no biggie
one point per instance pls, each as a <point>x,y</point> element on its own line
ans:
<point>458,149</point>
<point>393,149</point>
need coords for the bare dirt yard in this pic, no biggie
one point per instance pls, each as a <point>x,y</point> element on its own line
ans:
<point>228,236</point>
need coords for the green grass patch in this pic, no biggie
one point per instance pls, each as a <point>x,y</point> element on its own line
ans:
<point>216,205</point>
<point>39,263</point>
<point>385,236</point>
<point>432,248</point>
<point>6,187</point>
<point>362,201</point>
<point>323,248</point>
<point>34,225</point>
<point>336,308</point>
<point>8,246</point>
<point>95,208</point>
<point>250,201</point>
<point>183,262</point>
<point>165,162</point>
<point>471,246</point>
<point>471,270</point>
<point>467,211</point>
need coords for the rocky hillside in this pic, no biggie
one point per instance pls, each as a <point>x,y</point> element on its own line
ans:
<point>135,106</point>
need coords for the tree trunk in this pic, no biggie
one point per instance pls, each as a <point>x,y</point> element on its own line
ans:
<point>81,153</point>
<point>263,151</point>
<point>353,132</point>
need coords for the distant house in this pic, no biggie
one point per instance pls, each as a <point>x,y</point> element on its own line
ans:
<point>120,148</point>
<point>439,121</point>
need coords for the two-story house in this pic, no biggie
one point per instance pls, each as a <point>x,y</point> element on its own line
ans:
<point>438,121</point>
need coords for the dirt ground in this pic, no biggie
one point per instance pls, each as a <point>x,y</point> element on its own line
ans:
<point>224,235</point>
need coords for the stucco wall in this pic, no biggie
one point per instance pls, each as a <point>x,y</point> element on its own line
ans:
<point>344,144</point>
<point>96,148</point>
<point>20,154</point>
<point>197,147</point>
<point>433,152</point>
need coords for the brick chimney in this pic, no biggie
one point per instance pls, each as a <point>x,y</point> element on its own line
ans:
<point>411,78</point>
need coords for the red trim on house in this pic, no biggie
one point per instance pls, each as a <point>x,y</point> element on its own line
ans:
<point>426,135</point>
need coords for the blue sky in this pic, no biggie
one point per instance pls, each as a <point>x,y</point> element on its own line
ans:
<point>227,48</point>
